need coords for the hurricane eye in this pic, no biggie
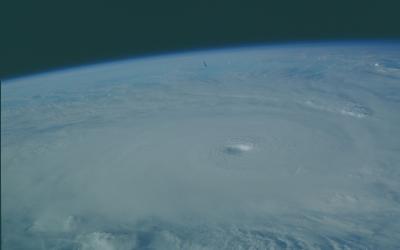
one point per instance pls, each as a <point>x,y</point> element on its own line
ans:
<point>237,149</point>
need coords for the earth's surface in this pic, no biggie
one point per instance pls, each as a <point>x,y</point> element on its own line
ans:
<point>275,147</point>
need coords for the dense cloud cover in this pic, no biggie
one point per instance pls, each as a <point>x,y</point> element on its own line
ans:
<point>285,147</point>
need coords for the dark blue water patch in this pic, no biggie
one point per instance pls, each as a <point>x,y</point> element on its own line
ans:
<point>390,63</point>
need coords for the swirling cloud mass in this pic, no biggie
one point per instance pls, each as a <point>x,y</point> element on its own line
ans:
<point>277,147</point>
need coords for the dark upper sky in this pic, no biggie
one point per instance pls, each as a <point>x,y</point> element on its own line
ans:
<point>44,35</point>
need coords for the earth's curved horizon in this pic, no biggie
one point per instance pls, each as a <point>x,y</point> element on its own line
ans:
<point>263,147</point>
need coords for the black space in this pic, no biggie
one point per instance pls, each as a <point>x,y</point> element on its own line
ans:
<point>44,35</point>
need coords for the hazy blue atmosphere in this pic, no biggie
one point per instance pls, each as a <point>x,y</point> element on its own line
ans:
<point>268,147</point>
<point>44,35</point>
